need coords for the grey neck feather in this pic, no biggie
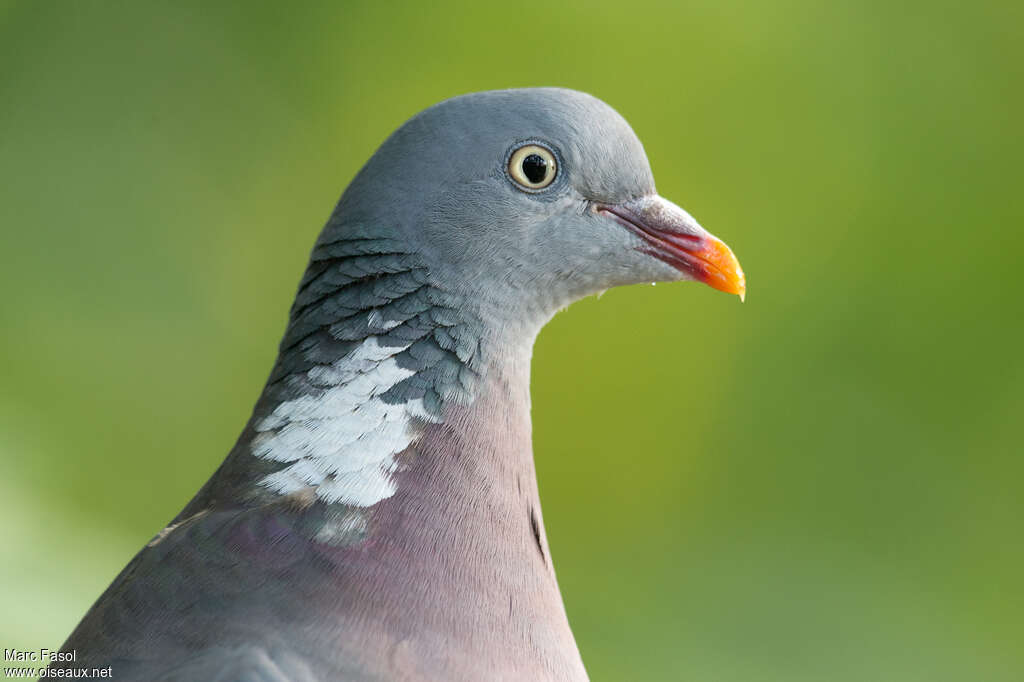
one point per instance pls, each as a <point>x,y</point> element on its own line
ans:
<point>376,351</point>
<point>398,412</point>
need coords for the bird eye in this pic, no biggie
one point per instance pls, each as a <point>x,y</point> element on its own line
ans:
<point>533,166</point>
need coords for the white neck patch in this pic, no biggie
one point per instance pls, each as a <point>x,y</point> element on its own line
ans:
<point>344,441</point>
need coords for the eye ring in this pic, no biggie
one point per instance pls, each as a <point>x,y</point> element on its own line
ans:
<point>533,167</point>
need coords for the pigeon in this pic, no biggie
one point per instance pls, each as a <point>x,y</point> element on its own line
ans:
<point>378,518</point>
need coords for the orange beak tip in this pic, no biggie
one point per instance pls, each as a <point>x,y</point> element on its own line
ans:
<point>725,273</point>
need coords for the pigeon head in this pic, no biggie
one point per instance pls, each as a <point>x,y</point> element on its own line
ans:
<point>472,225</point>
<point>526,200</point>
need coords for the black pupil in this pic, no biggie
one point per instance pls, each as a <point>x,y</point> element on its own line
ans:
<point>535,168</point>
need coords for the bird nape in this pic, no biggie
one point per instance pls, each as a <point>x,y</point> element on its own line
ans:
<point>378,518</point>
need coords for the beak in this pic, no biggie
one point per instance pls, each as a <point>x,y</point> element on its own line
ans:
<point>670,234</point>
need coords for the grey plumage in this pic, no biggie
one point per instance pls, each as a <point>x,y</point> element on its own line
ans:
<point>378,518</point>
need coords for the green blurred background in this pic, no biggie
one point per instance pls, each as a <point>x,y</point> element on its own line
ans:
<point>821,484</point>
